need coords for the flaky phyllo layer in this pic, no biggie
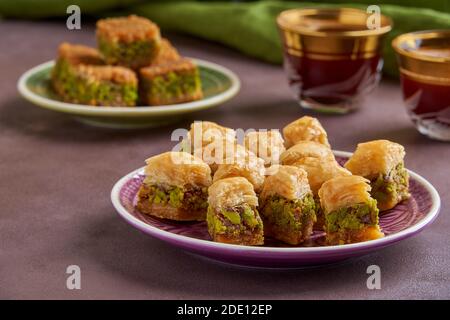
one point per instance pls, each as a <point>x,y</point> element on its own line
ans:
<point>389,189</point>
<point>238,224</point>
<point>232,215</point>
<point>187,197</point>
<point>175,187</point>
<point>267,145</point>
<point>129,41</point>
<point>290,221</point>
<point>76,84</point>
<point>305,129</point>
<point>381,161</point>
<point>177,169</point>
<point>351,214</point>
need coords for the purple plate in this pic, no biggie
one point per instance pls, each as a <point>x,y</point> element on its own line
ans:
<point>405,220</point>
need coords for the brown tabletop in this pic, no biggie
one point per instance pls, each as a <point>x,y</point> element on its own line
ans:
<point>56,176</point>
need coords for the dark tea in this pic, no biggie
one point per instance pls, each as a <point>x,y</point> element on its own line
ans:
<point>424,59</point>
<point>331,58</point>
<point>337,85</point>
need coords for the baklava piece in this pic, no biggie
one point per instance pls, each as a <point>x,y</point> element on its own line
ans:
<point>351,214</point>
<point>131,41</point>
<point>306,149</point>
<point>381,161</point>
<point>170,83</point>
<point>223,151</point>
<point>316,159</point>
<point>167,53</point>
<point>232,213</point>
<point>175,187</point>
<point>246,165</point>
<point>287,205</point>
<point>319,163</point>
<point>80,76</point>
<point>305,129</point>
<point>267,145</point>
<point>211,142</point>
<point>202,133</point>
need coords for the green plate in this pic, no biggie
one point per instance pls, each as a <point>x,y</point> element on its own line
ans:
<point>218,83</point>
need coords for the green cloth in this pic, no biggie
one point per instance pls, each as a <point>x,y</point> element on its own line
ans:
<point>250,27</point>
<point>57,8</point>
<point>246,26</point>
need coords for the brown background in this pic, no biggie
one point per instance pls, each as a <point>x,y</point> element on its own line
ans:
<point>56,176</point>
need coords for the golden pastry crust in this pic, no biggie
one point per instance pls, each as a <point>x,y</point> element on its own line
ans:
<point>306,149</point>
<point>162,69</point>
<point>287,181</point>
<point>220,151</point>
<point>250,167</point>
<point>320,170</point>
<point>203,133</point>
<point>374,157</point>
<point>231,192</point>
<point>167,53</point>
<point>342,192</point>
<point>177,169</point>
<point>305,128</point>
<point>127,29</point>
<point>316,159</point>
<point>268,145</point>
<point>77,54</point>
<point>114,74</point>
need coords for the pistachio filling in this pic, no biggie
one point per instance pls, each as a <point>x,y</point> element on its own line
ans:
<point>393,186</point>
<point>320,221</point>
<point>352,218</point>
<point>173,85</point>
<point>133,54</point>
<point>292,215</point>
<point>187,198</point>
<point>76,88</point>
<point>233,221</point>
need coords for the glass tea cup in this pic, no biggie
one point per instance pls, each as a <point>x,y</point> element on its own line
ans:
<point>331,57</point>
<point>424,62</point>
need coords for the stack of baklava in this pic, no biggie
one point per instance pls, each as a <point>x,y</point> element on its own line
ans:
<point>133,64</point>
